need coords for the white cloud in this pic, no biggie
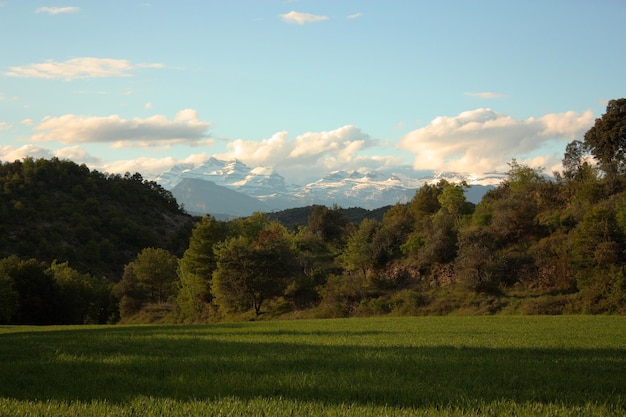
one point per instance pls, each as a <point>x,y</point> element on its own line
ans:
<point>486,95</point>
<point>148,167</point>
<point>310,154</point>
<point>305,158</point>
<point>77,68</point>
<point>482,140</point>
<point>354,16</point>
<point>73,153</point>
<point>78,155</point>
<point>4,126</point>
<point>307,147</point>
<point>302,18</point>
<point>28,122</point>
<point>57,10</point>
<point>148,105</point>
<point>11,154</point>
<point>151,167</point>
<point>157,130</point>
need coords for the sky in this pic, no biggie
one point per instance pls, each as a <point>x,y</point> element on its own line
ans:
<point>307,87</point>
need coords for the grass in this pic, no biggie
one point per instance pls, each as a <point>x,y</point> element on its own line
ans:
<point>441,366</point>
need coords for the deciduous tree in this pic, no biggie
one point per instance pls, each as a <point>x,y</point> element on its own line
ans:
<point>248,273</point>
<point>606,140</point>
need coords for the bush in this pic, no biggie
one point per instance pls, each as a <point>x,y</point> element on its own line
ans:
<point>407,302</point>
<point>548,305</point>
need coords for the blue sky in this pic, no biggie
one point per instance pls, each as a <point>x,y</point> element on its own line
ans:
<point>306,87</point>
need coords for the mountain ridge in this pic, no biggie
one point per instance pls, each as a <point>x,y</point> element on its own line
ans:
<point>369,189</point>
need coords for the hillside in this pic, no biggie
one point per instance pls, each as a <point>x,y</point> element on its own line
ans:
<point>57,209</point>
<point>291,218</point>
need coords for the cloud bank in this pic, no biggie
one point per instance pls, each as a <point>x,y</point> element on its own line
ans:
<point>474,142</point>
<point>184,129</point>
<point>482,140</point>
<point>77,68</point>
<point>307,155</point>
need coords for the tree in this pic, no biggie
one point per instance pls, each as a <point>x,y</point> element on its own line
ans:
<point>196,269</point>
<point>598,241</point>
<point>452,200</point>
<point>151,278</point>
<point>478,264</point>
<point>329,224</point>
<point>83,298</point>
<point>130,295</point>
<point>574,160</point>
<point>424,204</point>
<point>8,297</point>
<point>606,140</point>
<point>426,200</point>
<point>361,253</point>
<point>37,294</point>
<point>249,227</point>
<point>156,272</point>
<point>248,273</point>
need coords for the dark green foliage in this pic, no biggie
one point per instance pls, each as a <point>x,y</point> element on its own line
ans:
<point>330,225</point>
<point>129,293</point>
<point>251,272</point>
<point>152,278</point>
<point>38,297</point>
<point>533,245</point>
<point>32,292</point>
<point>83,298</point>
<point>9,297</point>
<point>196,269</point>
<point>298,217</point>
<point>156,272</point>
<point>606,140</point>
<point>56,209</point>
<point>362,252</point>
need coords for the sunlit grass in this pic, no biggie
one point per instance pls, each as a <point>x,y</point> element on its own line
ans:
<point>449,366</point>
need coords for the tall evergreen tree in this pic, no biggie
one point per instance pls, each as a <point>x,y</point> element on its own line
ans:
<point>196,269</point>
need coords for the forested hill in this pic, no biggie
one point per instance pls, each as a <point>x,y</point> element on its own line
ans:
<point>300,216</point>
<point>57,209</point>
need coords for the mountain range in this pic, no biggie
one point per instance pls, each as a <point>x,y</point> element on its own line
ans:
<point>228,189</point>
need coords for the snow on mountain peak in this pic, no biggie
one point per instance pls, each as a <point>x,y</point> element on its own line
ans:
<point>356,188</point>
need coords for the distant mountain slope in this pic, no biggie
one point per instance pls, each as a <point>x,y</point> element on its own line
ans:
<point>201,197</point>
<point>56,209</point>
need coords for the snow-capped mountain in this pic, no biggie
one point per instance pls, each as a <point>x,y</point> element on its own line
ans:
<point>357,188</point>
<point>369,189</point>
<point>233,174</point>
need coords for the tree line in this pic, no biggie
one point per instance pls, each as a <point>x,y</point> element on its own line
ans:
<point>533,245</point>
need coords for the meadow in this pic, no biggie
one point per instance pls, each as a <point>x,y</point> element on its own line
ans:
<point>418,366</point>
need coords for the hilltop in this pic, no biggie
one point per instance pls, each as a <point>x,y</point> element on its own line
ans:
<point>59,210</point>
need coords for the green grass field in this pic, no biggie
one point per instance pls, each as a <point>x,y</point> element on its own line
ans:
<point>439,366</point>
